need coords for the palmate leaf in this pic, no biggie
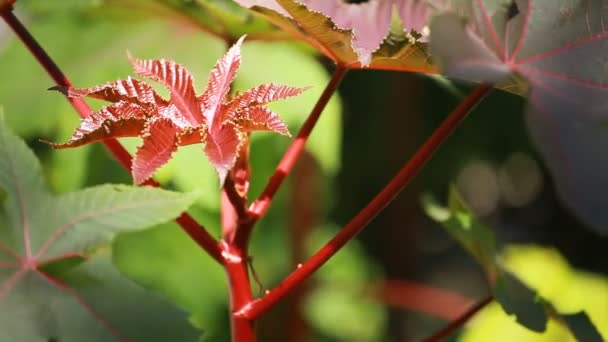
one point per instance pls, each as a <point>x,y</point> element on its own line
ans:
<point>558,47</point>
<point>515,297</point>
<point>211,118</point>
<point>354,34</point>
<point>43,229</point>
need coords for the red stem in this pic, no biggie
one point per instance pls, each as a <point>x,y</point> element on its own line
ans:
<point>196,231</point>
<point>235,264</point>
<point>261,205</point>
<point>417,297</point>
<point>455,325</point>
<point>373,208</point>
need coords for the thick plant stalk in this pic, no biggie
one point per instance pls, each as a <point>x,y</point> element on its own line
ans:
<point>373,208</point>
<point>197,232</point>
<point>236,267</point>
<point>460,321</point>
<point>259,207</point>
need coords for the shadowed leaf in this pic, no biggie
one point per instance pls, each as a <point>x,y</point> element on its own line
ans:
<point>515,297</point>
<point>557,47</point>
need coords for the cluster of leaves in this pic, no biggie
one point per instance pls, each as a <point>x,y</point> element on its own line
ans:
<point>356,35</point>
<point>541,49</point>
<point>55,271</point>
<point>211,118</point>
<point>529,309</point>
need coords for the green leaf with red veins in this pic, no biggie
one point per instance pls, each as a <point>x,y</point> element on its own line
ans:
<point>44,228</point>
<point>559,48</point>
<point>186,119</point>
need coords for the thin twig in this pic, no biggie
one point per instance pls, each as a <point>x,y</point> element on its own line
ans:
<point>196,231</point>
<point>259,207</point>
<point>460,321</point>
<point>373,208</point>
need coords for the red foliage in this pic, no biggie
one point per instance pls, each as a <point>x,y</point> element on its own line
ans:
<point>211,118</point>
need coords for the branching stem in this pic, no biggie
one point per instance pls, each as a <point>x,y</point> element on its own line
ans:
<point>460,321</point>
<point>373,208</point>
<point>259,207</point>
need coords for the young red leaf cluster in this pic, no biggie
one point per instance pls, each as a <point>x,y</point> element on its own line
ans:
<point>213,118</point>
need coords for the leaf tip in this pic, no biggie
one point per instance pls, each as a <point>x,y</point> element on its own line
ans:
<point>61,89</point>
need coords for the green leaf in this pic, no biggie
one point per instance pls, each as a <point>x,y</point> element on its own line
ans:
<point>519,300</point>
<point>582,328</point>
<point>573,311</point>
<point>514,296</point>
<point>134,312</point>
<point>181,272</point>
<point>475,237</point>
<point>43,229</point>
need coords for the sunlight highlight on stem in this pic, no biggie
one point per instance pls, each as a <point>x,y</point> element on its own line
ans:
<point>373,208</point>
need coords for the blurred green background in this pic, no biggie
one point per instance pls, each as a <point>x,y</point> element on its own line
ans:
<point>367,132</point>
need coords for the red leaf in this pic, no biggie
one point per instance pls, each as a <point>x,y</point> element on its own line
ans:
<point>192,135</point>
<point>260,119</point>
<point>222,148</point>
<point>260,95</point>
<point>178,80</point>
<point>118,120</point>
<point>218,84</point>
<point>185,119</point>
<point>129,90</point>
<point>159,143</point>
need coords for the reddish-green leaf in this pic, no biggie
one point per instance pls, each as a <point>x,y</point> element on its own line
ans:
<point>357,35</point>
